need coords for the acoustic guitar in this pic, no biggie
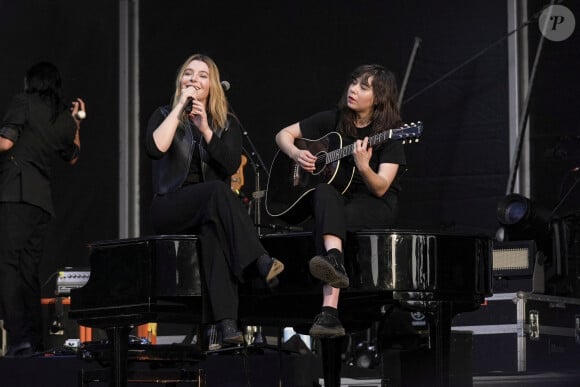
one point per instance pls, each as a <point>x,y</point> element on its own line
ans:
<point>289,184</point>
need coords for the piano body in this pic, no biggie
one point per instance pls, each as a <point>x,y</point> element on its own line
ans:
<point>156,278</point>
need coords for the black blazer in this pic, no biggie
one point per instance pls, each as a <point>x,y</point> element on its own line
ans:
<point>220,158</point>
<point>26,169</point>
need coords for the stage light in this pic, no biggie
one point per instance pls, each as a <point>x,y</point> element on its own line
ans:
<point>522,219</point>
<point>517,265</point>
<point>513,209</point>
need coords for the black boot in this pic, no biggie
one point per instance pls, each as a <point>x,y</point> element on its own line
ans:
<point>23,349</point>
<point>269,268</point>
<point>230,332</point>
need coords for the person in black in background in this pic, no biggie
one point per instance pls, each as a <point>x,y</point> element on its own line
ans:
<point>196,145</point>
<point>367,106</point>
<point>36,129</point>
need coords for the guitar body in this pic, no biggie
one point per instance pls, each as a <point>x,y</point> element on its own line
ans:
<point>289,185</point>
<point>237,179</point>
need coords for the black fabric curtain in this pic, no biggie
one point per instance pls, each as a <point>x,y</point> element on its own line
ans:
<point>287,60</point>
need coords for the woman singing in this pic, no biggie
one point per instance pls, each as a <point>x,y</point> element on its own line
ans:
<point>196,145</point>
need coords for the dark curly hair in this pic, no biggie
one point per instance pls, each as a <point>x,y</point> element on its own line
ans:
<point>44,80</point>
<point>385,113</point>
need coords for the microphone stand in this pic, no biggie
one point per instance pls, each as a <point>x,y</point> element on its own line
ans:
<point>257,164</point>
<point>258,194</point>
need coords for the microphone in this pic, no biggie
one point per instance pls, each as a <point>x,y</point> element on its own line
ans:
<point>188,106</point>
<point>80,115</point>
<point>187,109</point>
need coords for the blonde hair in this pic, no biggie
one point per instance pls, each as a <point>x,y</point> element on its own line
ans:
<point>217,104</point>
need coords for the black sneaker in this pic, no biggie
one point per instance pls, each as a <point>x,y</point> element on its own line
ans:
<point>329,270</point>
<point>326,326</point>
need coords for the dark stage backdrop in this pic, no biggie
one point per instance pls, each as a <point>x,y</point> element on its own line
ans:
<point>555,131</point>
<point>81,39</point>
<point>286,60</point>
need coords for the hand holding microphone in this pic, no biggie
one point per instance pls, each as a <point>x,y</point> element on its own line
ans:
<point>79,112</point>
<point>189,105</point>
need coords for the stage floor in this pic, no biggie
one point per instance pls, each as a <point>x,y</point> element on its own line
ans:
<point>267,369</point>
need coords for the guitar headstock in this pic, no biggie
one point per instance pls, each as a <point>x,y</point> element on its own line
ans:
<point>408,133</point>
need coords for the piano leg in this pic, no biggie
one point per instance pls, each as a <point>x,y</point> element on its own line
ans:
<point>424,365</point>
<point>119,341</point>
<point>440,338</point>
<point>331,361</point>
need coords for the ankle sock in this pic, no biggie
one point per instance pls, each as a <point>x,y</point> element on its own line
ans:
<point>330,310</point>
<point>337,254</point>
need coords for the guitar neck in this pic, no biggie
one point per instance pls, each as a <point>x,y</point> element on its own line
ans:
<point>376,139</point>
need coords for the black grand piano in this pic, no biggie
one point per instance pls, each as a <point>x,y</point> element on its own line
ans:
<point>156,278</point>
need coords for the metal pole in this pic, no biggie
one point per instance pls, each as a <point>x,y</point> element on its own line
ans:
<point>129,118</point>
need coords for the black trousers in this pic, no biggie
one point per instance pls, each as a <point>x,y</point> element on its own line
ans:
<point>23,228</point>
<point>337,214</point>
<point>228,237</point>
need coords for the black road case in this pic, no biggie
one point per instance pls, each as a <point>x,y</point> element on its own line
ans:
<point>524,332</point>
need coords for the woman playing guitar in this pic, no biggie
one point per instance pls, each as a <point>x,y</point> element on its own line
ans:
<point>367,107</point>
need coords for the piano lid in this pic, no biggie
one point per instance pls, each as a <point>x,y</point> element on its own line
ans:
<point>139,271</point>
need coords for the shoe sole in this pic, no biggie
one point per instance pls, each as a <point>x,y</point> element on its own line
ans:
<point>20,355</point>
<point>236,340</point>
<point>277,268</point>
<point>324,271</point>
<point>321,332</point>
